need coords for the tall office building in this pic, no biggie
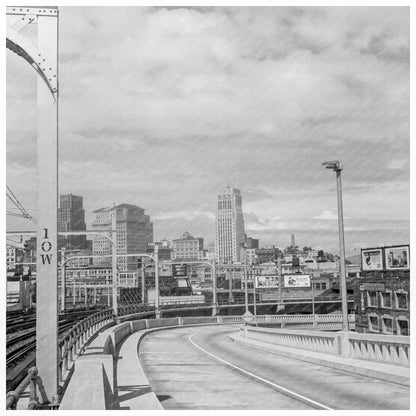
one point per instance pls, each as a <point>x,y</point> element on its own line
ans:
<point>229,226</point>
<point>188,248</point>
<point>134,231</point>
<point>71,217</point>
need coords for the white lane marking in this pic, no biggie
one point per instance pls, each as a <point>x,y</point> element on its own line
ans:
<point>292,393</point>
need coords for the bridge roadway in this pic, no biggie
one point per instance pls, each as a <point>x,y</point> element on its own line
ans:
<point>202,368</point>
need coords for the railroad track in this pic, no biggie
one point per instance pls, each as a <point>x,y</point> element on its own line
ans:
<point>21,343</point>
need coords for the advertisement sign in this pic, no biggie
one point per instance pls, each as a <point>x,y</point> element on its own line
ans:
<point>267,281</point>
<point>297,280</point>
<point>397,258</point>
<point>372,259</point>
<point>179,270</point>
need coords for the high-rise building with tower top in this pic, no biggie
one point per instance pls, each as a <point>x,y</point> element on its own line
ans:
<point>229,226</point>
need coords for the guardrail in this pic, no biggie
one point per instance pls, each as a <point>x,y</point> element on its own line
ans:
<point>71,345</point>
<point>389,349</point>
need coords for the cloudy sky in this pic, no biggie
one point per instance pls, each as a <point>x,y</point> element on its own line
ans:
<point>161,107</point>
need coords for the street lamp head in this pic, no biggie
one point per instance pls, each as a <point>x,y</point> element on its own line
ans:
<point>335,165</point>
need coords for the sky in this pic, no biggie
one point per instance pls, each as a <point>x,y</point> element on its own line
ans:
<point>163,107</point>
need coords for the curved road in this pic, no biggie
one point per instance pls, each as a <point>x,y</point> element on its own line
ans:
<point>202,368</point>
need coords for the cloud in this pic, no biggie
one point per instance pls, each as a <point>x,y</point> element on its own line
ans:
<point>327,215</point>
<point>162,106</point>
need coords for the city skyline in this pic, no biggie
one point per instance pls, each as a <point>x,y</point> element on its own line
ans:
<point>260,109</point>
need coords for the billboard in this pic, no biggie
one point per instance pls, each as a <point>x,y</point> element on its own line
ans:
<point>297,280</point>
<point>267,282</point>
<point>372,259</point>
<point>179,270</point>
<point>396,258</point>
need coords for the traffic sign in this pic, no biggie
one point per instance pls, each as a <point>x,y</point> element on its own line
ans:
<point>248,317</point>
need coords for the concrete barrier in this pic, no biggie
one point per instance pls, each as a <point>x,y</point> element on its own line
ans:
<point>163,322</point>
<point>93,371</point>
<point>82,393</point>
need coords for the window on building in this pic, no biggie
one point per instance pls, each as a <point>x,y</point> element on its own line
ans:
<point>387,325</point>
<point>401,300</point>
<point>373,323</point>
<point>403,327</point>
<point>386,299</point>
<point>323,286</point>
<point>372,298</point>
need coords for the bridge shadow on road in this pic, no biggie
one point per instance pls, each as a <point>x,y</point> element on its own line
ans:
<point>130,392</point>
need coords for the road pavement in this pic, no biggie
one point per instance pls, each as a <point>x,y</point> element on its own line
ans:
<point>202,368</point>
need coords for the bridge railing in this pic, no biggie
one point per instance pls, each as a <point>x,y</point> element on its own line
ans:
<point>71,344</point>
<point>381,348</point>
<point>389,349</point>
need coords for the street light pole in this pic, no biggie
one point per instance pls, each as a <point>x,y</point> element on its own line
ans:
<point>245,279</point>
<point>337,167</point>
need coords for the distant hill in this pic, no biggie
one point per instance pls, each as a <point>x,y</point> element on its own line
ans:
<point>356,259</point>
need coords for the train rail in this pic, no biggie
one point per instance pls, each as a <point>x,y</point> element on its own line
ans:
<point>21,341</point>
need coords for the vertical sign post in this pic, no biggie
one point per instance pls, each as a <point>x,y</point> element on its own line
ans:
<point>47,215</point>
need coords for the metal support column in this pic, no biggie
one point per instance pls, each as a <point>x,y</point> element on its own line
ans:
<point>214,288</point>
<point>280,281</point>
<point>156,255</point>
<point>245,280</point>
<point>47,216</point>
<point>230,286</point>
<point>143,285</point>
<point>313,299</point>
<point>114,260</point>
<point>63,280</point>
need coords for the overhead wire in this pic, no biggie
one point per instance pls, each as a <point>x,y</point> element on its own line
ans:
<point>17,203</point>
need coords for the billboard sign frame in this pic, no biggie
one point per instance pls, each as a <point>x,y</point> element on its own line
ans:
<point>372,259</point>
<point>296,280</point>
<point>397,257</point>
<point>179,270</point>
<point>266,282</point>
